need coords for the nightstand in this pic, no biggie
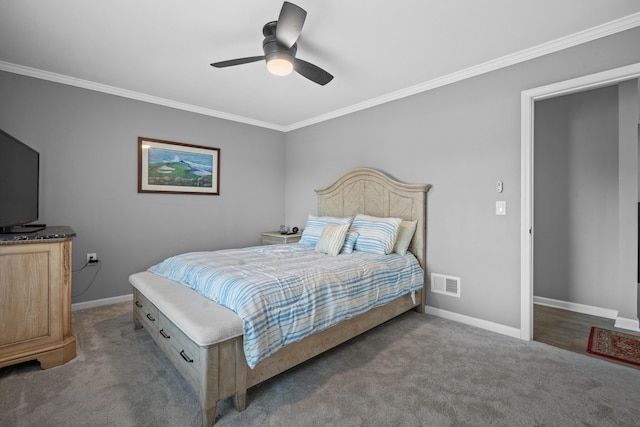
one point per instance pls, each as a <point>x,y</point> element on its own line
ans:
<point>275,238</point>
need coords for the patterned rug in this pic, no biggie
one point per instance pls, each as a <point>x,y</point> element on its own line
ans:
<point>614,345</point>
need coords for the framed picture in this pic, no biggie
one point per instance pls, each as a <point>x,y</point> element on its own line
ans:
<point>173,167</point>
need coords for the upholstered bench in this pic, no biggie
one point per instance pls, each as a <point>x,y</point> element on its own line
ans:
<point>199,336</point>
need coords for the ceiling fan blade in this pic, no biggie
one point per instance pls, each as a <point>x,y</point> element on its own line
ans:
<point>312,72</point>
<point>238,61</point>
<point>290,24</point>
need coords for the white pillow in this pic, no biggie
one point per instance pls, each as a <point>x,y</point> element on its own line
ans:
<point>332,239</point>
<point>407,230</point>
<point>315,225</point>
<point>377,235</point>
<point>349,242</point>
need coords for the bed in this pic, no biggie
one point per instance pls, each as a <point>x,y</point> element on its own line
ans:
<point>206,341</point>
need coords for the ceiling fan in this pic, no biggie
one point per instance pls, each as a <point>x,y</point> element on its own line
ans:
<point>280,47</point>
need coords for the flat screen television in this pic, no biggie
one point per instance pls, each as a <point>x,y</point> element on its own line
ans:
<point>19,177</point>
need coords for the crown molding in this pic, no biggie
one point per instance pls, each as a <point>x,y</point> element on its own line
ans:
<point>600,31</point>
<point>138,96</point>
<point>604,30</point>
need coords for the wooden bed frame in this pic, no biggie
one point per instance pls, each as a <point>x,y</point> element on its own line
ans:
<point>219,370</point>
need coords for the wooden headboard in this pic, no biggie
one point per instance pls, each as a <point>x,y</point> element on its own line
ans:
<point>371,192</point>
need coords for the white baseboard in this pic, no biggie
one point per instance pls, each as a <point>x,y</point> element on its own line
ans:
<point>578,308</point>
<point>629,324</point>
<point>621,322</point>
<point>101,302</point>
<point>472,321</point>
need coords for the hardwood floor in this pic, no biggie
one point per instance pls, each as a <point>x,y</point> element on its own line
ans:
<point>567,329</point>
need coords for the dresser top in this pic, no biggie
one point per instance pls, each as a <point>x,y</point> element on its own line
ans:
<point>53,232</point>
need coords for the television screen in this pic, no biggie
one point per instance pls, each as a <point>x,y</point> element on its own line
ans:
<point>19,170</point>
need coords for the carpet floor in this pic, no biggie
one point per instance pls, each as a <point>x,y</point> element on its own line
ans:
<point>416,370</point>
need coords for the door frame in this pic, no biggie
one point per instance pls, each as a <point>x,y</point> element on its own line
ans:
<point>527,102</point>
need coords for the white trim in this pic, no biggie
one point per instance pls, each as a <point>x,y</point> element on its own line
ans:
<point>528,98</point>
<point>607,29</point>
<point>138,96</point>
<point>607,313</point>
<point>101,302</point>
<point>472,321</point>
<point>597,32</point>
<point>629,324</point>
<point>526,218</point>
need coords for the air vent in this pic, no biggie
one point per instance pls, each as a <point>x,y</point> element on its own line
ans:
<point>447,285</point>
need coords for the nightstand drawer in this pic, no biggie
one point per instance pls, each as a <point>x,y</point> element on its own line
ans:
<point>275,238</point>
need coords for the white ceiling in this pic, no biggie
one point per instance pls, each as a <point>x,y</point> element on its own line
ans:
<point>160,50</point>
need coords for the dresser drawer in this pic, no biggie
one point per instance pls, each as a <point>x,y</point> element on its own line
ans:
<point>179,348</point>
<point>146,311</point>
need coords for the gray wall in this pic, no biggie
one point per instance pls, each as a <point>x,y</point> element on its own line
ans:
<point>88,149</point>
<point>460,138</point>
<point>576,198</point>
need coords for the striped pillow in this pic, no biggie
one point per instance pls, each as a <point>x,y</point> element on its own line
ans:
<point>349,242</point>
<point>332,239</point>
<point>315,225</point>
<point>377,235</point>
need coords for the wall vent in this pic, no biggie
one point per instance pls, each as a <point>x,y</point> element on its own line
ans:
<point>447,285</point>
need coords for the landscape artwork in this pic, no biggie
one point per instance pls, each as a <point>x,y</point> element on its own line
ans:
<point>172,167</point>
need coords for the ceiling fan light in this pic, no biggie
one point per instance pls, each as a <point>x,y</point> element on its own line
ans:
<point>280,66</point>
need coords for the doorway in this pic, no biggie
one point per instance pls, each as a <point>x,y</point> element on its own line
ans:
<point>528,99</point>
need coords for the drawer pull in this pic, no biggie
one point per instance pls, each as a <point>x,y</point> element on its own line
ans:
<point>164,334</point>
<point>138,304</point>
<point>150,317</point>
<point>185,357</point>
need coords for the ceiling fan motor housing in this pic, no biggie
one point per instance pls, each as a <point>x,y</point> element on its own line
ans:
<point>273,49</point>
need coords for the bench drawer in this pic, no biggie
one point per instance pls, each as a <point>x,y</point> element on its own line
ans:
<point>178,346</point>
<point>146,311</point>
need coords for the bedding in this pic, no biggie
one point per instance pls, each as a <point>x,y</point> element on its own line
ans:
<point>405,234</point>
<point>332,239</point>
<point>377,235</point>
<point>315,225</point>
<point>205,340</point>
<point>285,293</point>
<point>349,242</point>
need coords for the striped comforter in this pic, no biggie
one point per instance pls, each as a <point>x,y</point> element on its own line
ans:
<point>284,293</point>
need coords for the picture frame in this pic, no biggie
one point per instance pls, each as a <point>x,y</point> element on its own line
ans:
<point>177,168</point>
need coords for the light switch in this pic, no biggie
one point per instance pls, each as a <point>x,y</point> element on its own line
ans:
<point>501,207</point>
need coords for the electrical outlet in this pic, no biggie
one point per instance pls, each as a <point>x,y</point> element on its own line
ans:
<point>92,258</point>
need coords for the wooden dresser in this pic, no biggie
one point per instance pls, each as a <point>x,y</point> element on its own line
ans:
<point>35,297</point>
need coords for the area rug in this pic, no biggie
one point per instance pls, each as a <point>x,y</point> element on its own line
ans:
<point>614,345</point>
